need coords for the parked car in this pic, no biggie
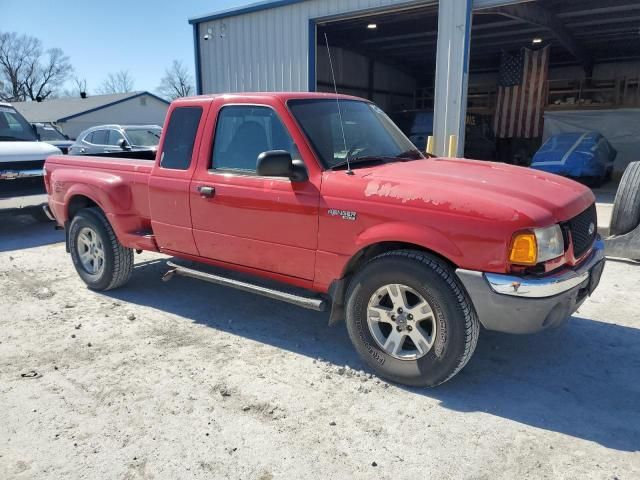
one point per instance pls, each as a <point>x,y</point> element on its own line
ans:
<point>114,140</point>
<point>583,156</point>
<point>48,132</point>
<point>480,143</point>
<point>22,157</point>
<point>414,252</point>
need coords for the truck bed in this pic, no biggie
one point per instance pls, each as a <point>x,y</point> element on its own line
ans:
<point>127,164</point>
<point>119,186</point>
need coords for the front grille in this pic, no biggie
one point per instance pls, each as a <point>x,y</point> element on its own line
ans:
<point>29,165</point>
<point>583,228</point>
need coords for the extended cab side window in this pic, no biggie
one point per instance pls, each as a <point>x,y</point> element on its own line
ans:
<point>245,131</point>
<point>179,137</point>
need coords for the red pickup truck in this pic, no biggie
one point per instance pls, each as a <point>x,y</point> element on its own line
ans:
<point>324,193</point>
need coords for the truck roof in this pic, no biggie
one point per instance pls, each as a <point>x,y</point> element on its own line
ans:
<point>283,96</point>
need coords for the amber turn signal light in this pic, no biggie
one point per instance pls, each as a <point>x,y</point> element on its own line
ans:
<point>524,250</point>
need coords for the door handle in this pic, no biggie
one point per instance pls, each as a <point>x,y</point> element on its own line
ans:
<point>206,191</point>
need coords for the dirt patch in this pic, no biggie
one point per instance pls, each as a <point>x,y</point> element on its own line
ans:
<point>188,380</point>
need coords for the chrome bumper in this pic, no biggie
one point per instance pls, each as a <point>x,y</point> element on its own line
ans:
<point>548,286</point>
<point>513,304</point>
<point>13,174</point>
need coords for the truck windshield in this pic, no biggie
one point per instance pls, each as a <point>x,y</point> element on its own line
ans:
<point>13,126</point>
<point>49,133</point>
<point>144,137</point>
<point>368,132</point>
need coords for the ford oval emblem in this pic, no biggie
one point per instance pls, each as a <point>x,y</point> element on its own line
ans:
<point>592,228</point>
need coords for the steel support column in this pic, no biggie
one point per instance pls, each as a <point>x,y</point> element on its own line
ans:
<point>452,73</point>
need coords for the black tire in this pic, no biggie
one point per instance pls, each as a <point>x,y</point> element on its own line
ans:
<point>594,182</point>
<point>118,260</point>
<point>626,207</point>
<point>456,321</point>
<point>609,175</point>
<point>39,215</point>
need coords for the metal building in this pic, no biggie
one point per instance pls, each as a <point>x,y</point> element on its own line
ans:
<point>273,47</point>
<point>280,45</point>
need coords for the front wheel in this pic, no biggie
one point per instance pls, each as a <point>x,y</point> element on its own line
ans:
<point>410,319</point>
<point>39,216</point>
<point>100,259</point>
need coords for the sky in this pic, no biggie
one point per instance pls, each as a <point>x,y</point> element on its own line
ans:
<point>141,36</point>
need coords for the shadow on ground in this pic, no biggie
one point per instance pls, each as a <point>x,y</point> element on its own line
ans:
<point>22,231</point>
<point>582,380</point>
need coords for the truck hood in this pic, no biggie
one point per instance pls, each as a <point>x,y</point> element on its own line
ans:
<point>489,190</point>
<point>26,151</point>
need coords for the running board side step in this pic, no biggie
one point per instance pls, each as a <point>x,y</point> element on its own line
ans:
<point>310,303</point>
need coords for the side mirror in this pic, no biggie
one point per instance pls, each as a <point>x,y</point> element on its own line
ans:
<point>35,131</point>
<point>278,163</point>
<point>123,144</point>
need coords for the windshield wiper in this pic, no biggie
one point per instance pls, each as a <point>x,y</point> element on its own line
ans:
<point>363,159</point>
<point>414,154</point>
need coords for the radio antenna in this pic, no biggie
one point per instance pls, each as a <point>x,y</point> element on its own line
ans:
<point>335,89</point>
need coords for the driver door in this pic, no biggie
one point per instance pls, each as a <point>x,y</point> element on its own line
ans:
<point>265,223</point>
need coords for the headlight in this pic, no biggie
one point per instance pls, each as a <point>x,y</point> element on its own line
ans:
<point>539,245</point>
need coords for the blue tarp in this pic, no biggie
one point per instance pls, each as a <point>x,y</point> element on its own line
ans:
<point>576,155</point>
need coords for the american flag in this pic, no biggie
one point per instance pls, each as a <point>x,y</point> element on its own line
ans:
<point>521,93</point>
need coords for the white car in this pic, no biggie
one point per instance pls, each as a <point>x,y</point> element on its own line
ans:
<point>22,159</point>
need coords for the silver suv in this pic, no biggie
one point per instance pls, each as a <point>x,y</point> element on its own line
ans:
<point>114,139</point>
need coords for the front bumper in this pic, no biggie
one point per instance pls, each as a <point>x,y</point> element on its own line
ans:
<point>514,304</point>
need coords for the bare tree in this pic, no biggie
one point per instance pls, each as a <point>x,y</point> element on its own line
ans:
<point>24,73</point>
<point>44,76</point>
<point>177,82</point>
<point>119,82</point>
<point>79,87</point>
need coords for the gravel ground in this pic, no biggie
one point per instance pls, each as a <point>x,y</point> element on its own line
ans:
<point>188,380</point>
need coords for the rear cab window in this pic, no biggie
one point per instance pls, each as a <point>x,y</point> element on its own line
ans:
<point>179,138</point>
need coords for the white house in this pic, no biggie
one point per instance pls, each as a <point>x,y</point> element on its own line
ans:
<point>75,114</point>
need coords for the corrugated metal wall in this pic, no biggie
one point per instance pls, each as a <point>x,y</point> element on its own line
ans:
<point>268,50</point>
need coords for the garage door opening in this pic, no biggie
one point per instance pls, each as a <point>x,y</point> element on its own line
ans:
<point>558,70</point>
<point>388,58</point>
<point>591,80</point>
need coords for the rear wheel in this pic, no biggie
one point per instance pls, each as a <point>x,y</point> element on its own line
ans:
<point>409,318</point>
<point>100,259</point>
<point>626,207</point>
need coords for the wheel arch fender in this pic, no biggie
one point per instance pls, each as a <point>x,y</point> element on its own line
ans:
<point>80,192</point>
<point>108,191</point>
<point>425,237</point>
<point>383,238</point>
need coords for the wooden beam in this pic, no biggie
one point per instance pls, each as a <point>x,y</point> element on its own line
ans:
<point>536,15</point>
